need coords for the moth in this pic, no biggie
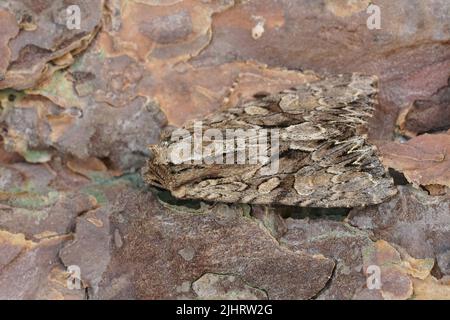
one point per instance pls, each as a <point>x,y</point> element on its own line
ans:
<point>305,146</point>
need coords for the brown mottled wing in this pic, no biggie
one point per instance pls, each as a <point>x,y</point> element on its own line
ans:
<point>324,157</point>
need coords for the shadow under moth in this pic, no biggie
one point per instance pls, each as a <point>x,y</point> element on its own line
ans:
<point>305,146</point>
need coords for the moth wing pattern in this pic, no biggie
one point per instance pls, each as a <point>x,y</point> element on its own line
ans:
<point>324,157</point>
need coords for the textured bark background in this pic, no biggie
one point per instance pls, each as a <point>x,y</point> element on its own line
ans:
<point>78,109</point>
